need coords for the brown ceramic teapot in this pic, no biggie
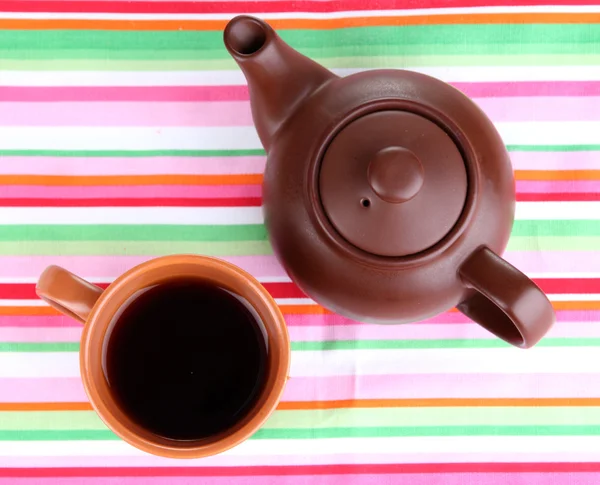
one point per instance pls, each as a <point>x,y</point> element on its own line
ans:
<point>388,194</point>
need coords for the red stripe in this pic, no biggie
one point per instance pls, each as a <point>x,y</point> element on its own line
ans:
<point>175,202</point>
<point>26,291</point>
<point>568,285</point>
<point>558,197</point>
<point>240,93</point>
<point>258,6</point>
<point>305,470</point>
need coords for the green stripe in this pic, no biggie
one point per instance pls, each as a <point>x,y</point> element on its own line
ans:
<point>559,36</point>
<point>553,148</point>
<point>240,153</point>
<point>350,62</point>
<point>341,418</point>
<point>131,153</point>
<point>319,433</point>
<point>50,420</point>
<point>123,232</point>
<point>395,431</point>
<point>551,243</point>
<point>171,235</point>
<point>565,228</point>
<point>433,416</point>
<point>39,347</point>
<point>238,248</point>
<point>134,248</point>
<point>491,343</point>
<point>337,49</point>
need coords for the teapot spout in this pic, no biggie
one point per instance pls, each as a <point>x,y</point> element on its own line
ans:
<point>279,78</point>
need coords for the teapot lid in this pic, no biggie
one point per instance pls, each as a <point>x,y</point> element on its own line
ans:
<point>393,183</point>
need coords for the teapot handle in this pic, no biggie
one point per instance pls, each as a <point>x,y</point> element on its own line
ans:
<point>505,301</point>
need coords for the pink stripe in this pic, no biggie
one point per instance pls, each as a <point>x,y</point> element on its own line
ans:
<point>131,166</point>
<point>42,390</point>
<point>106,94</point>
<point>498,478</point>
<point>240,92</point>
<point>226,113</point>
<point>541,108</point>
<point>309,321</point>
<point>313,459</point>
<point>112,266</point>
<point>237,113</point>
<point>583,160</point>
<point>557,186</point>
<point>425,386</point>
<point>529,88</point>
<point>268,266</point>
<point>332,388</point>
<point>229,191</point>
<point>555,261</point>
<point>449,318</point>
<point>44,334</point>
<point>316,332</point>
<point>28,321</point>
<point>131,191</point>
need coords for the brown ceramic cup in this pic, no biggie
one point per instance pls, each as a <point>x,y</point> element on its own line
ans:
<point>96,308</point>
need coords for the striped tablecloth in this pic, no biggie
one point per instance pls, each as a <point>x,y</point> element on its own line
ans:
<point>125,133</point>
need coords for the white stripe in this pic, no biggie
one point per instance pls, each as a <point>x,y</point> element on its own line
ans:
<point>131,215</point>
<point>234,215</point>
<point>504,360</point>
<point>243,137</point>
<point>128,138</point>
<point>39,364</point>
<point>22,303</point>
<point>330,446</point>
<point>508,360</point>
<point>235,77</point>
<point>557,210</point>
<point>574,274</point>
<point>102,279</point>
<point>549,132</point>
<point>295,301</point>
<point>574,297</point>
<point>307,15</point>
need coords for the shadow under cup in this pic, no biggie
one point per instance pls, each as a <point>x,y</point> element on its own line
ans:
<point>159,271</point>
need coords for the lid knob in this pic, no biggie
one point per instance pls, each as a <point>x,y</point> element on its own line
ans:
<point>395,174</point>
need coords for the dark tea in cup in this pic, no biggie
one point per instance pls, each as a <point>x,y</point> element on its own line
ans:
<point>186,359</point>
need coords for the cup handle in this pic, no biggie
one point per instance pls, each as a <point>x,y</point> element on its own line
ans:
<point>505,302</point>
<point>68,293</point>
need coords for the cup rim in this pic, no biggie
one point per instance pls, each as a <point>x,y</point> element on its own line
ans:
<point>104,404</point>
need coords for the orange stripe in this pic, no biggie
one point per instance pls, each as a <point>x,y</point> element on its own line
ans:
<point>442,402</point>
<point>45,406</point>
<point>317,24</point>
<point>286,309</point>
<point>351,403</point>
<point>557,174</point>
<point>304,310</point>
<point>237,179</point>
<point>28,311</point>
<point>88,180</point>
<point>558,305</point>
